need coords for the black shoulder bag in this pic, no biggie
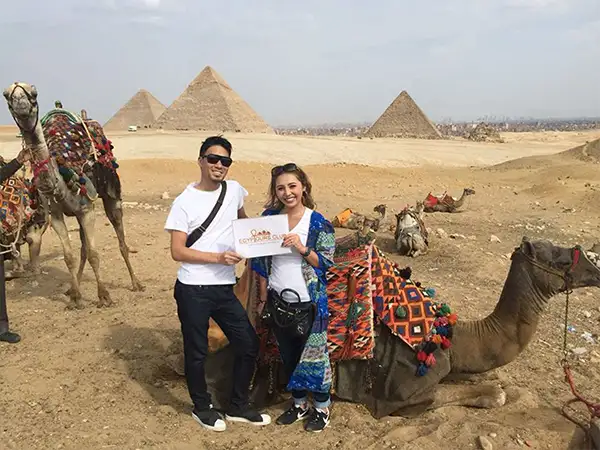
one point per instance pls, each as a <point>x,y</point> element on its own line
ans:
<point>294,317</point>
<point>198,232</point>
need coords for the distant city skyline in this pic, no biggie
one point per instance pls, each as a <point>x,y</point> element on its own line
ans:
<point>313,62</point>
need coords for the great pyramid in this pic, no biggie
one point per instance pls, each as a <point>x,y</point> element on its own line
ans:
<point>142,110</point>
<point>403,118</point>
<point>209,104</point>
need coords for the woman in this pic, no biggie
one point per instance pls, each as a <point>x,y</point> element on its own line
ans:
<point>300,277</point>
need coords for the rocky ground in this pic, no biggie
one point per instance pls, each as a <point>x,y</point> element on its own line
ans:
<point>99,378</point>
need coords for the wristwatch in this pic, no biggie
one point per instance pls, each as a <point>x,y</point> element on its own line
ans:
<point>307,252</point>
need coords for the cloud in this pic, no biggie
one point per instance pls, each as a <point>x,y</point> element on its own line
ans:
<point>149,4</point>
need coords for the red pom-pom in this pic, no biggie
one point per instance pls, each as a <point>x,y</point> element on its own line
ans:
<point>430,361</point>
<point>446,343</point>
<point>422,356</point>
<point>452,319</point>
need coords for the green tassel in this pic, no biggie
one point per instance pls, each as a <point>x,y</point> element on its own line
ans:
<point>400,312</point>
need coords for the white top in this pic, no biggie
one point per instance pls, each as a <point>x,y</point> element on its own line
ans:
<point>188,211</point>
<point>286,270</point>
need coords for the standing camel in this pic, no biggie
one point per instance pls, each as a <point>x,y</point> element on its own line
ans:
<point>71,192</point>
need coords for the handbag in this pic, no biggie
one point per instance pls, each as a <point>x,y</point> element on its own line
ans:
<point>296,318</point>
<point>198,232</point>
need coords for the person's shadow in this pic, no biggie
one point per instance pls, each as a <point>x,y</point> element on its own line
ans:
<point>145,352</point>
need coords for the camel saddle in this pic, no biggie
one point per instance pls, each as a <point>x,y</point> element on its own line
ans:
<point>445,199</point>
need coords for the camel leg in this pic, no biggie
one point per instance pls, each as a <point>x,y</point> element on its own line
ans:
<point>83,257</point>
<point>87,223</point>
<point>114,212</point>
<point>34,240</point>
<point>60,227</point>
<point>471,395</point>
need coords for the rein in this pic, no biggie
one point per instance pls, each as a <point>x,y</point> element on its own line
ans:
<point>593,408</point>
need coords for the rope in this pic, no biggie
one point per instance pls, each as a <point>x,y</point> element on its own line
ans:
<point>593,408</point>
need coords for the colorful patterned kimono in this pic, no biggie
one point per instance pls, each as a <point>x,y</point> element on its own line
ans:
<point>313,372</point>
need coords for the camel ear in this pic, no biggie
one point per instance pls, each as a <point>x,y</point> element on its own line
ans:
<point>527,247</point>
<point>5,93</point>
<point>595,248</point>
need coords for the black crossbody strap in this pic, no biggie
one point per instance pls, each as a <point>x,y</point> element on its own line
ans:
<point>198,232</point>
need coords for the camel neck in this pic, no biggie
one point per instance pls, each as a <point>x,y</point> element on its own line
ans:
<point>494,341</point>
<point>36,143</point>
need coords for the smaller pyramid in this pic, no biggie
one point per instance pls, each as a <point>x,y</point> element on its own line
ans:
<point>142,110</point>
<point>210,104</point>
<point>403,118</point>
<point>484,132</point>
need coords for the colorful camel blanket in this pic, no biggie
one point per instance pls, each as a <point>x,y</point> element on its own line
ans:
<point>444,199</point>
<point>365,287</point>
<point>17,206</point>
<point>77,146</point>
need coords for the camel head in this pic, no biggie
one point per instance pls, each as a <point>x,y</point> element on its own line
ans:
<point>23,105</point>
<point>469,191</point>
<point>419,207</point>
<point>557,269</point>
<point>380,209</point>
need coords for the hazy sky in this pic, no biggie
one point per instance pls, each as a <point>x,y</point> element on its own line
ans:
<point>309,61</point>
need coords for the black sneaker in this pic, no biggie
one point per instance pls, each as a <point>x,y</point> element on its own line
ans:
<point>248,415</point>
<point>317,421</point>
<point>209,419</point>
<point>10,337</point>
<point>292,415</point>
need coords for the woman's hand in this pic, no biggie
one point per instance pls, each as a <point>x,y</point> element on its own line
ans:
<point>293,240</point>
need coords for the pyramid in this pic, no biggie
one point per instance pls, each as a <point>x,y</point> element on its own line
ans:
<point>209,104</point>
<point>403,118</point>
<point>142,110</point>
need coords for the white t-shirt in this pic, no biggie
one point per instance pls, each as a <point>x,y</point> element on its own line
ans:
<point>188,211</point>
<point>286,270</point>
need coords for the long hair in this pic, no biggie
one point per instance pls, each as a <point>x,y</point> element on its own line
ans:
<point>307,200</point>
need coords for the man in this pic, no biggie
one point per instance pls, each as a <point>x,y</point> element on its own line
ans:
<point>205,280</point>
<point>6,172</point>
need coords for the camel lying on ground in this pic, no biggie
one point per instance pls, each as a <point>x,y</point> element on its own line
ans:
<point>411,235</point>
<point>387,384</point>
<point>356,221</point>
<point>80,169</point>
<point>446,203</point>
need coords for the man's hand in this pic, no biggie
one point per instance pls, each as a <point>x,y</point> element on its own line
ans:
<point>23,156</point>
<point>229,258</point>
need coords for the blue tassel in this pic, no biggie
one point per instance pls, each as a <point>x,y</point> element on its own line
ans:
<point>81,180</point>
<point>442,331</point>
<point>430,291</point>
<point>422,369</point>
<point>115,165</point>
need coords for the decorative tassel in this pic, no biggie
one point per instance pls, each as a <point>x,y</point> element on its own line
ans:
<point>422,356</point>
<point>430,361</point>
<point>422,369</point>
<point>452,319</point>
<point>446,343</point>
<point>82,180</point>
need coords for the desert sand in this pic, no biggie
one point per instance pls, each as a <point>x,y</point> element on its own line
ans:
<point>99,378</point>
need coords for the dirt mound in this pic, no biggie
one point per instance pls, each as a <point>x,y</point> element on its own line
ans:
<point>588,152</point>
<point>485,133</point>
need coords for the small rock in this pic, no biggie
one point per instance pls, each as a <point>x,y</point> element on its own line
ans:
<point>457,236</point>
<point>494,238</point>
<point>484,443</point>
<point>165,195</point>
<point>579,351</point>
<point>441,233</point>
<point>493,435</point>
<point>587,314</point>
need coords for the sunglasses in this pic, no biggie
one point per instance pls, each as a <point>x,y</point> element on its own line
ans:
<point>214,159</point>
<point>278,170</point>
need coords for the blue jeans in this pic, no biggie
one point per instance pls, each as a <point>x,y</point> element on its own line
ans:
<point>290,349</point>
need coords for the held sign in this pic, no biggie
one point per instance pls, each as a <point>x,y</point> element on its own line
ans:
<point>261,236</point>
